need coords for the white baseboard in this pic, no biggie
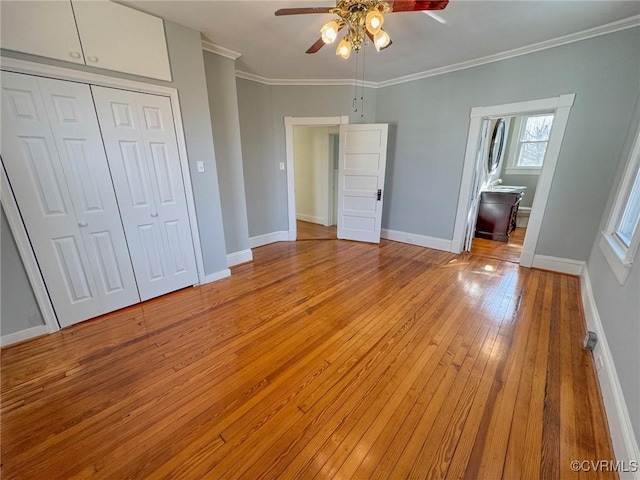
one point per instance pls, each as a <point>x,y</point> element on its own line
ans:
<point>311,219</point>
<point>560,265</point>
<point>268,238</point>
<point>212,277</point>
<point>415,239</point>
<point>23,335</point>
<point>625,446</point>
<point>236,258</point>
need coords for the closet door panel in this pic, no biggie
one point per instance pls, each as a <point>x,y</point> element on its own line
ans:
<point>142,152</point>
<point>35,172</point>
<point>160,141</point>
<point>75,129</point>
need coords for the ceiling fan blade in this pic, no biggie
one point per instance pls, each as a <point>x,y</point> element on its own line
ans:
<point>417,5</point>
<point>300,11</point>
<point>372,41</point>
<point>316,46</point>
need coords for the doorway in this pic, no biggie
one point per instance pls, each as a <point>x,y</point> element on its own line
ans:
<point>479,176</point>
<point>315,176</point>
<point>310,229</point>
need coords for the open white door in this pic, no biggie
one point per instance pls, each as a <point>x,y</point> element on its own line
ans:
<point>363,158</point>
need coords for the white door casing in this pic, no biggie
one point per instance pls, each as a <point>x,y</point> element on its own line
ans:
<point>142,152</point>
<point>53,154</point>
<point>363,157</point>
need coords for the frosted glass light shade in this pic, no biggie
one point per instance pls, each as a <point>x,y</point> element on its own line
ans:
<point>374,22</point>
<point>381,40</point>
<point>329,32</point>
<point>344,49</point>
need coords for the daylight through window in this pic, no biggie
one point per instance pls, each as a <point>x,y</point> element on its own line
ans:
<point>534,137</point>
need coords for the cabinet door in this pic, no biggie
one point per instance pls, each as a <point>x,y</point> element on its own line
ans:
<point>120,38</point>
<point>38,180</point>
<point>74,124</point>
<point>45,28</point>
<point>142,151</point>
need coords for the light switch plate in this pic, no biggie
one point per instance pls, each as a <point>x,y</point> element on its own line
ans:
<point>200,166</point>
<point>281,165</point>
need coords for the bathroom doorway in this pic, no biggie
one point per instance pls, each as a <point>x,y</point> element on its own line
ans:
<point>511,154</point>
<point>514,151</point>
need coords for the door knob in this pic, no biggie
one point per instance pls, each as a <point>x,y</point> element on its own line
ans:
<point>82,224</point>
<point>93,59</point>
<point>74,54</point>
<point>154,214</point>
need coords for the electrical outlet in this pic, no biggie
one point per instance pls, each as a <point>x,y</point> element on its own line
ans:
<point>281,165</point>
<point>200,166</point>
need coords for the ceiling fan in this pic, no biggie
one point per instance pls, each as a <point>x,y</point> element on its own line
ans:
<point>363,20</point>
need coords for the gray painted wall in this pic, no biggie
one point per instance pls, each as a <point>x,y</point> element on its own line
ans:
<point>19,309</point>
<point>262,111</point>
<point>223,105</point>
<point>429,121</point>
<point>187,65</point>
<point>619,305</point>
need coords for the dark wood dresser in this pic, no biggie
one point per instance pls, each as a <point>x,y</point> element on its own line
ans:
<point>497,215</point>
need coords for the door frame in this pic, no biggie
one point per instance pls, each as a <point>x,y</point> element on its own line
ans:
<point>289,123</point>
<point>10,205</point>
<point>561,106</point>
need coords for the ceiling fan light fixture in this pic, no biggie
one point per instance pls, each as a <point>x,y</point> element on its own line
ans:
<point>374,21</point>
<point>381,40</point>
<point>330,32</point>
<point>344,49</point>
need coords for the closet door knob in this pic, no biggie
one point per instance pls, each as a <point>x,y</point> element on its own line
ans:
<point>92,59</point>
<point>74,54</point>
<point>82,224</point>
<point>154,214</point>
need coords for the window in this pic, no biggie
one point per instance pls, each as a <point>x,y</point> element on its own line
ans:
<point>620,240</point>
<point>533,137</point>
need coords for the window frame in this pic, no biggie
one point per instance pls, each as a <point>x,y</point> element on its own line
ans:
<point>512,167</point>
<point>618,255</point>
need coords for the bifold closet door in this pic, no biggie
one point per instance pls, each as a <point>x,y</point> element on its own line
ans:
<point>55,161</point>
<point>142,151</point>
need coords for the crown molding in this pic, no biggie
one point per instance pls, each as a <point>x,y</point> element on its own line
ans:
<point>536,47</point>
<point>217,49</point>
<point>303,81</point>
<point>613,27</point>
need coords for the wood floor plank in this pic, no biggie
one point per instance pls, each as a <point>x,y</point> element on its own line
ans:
<point>320,359</point>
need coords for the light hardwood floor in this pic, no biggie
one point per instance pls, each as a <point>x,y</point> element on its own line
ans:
<point>318,360</point>
<point>508,251</point>
<point>313,231</point>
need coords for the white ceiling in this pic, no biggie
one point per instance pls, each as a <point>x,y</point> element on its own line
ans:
<point>274,47</point>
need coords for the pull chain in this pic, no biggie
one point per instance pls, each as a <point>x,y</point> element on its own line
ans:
<point>364,58</point>
<point>355,95</point>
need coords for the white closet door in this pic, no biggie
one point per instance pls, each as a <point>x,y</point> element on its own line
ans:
<point>74,124</point>
<point>140,139</point>
<point>39,182</point>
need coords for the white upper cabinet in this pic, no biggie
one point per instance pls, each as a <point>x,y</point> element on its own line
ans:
<point>119,38</point>
<point>97,33</point>
<point>43,28</point>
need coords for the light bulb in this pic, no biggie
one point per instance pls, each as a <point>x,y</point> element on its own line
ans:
<point>381,40</point>
<point>374,21</point>
<point>329,32</point>
<point>344,49</point>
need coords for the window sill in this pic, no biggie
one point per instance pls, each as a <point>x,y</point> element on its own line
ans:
<point>522,171</point>
<point>615,255</point>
